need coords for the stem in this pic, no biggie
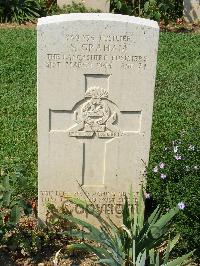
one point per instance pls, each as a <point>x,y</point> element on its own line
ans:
<point>139,7</point>
<point>133,4</point>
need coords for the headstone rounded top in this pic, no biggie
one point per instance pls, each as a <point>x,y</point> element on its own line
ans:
<point>97,17</point>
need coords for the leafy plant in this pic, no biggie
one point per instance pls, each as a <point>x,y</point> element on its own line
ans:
<point>157,257</point>
<point>18,229</point>
<point>11,208</point>
<point>151,10</point>
<point>123,7</point>
<point>135,242</point>
<point>20,11</point>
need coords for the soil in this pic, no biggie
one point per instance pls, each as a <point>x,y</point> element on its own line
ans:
<point>28,25</point>
<point>22,248</point>
<point>11,258</point>
<point>180,27</point>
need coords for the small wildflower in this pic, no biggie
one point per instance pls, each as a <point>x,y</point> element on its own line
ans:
<point>191,148</point>
<point>175,149</point>
<point>2,172</point>
<point>155,169</point>
<point>165,149</point>
<point>195,167</point>
<point>161,165</point>
<point>148,196</point>
<point>163,176</point>
<point>181,205</point>
<point>177,157</point>
<point>187,168</point>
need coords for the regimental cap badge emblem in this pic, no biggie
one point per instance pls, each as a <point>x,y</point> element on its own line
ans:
<point>95,116</point>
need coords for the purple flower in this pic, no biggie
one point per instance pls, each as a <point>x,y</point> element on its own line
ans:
<point>181,205</point>
<point>155,169</point>
<point>148,196</point>
<point>161,165</point>
<point>191,148</point>
<point>177,157</point>
<point>163,176</point>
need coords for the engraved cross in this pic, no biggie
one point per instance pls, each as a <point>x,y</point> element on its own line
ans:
<point>97,122</point>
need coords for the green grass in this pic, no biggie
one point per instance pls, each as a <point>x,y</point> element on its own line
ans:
<point>177,94</point>
<point>18,154</point>
<point>176,107</point>
<point>177,117</point>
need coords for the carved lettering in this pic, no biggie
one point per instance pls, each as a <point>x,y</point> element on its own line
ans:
<point>100,51</point>
<point>80,134</point>
<point>108,134</point>
<point>97,60</point>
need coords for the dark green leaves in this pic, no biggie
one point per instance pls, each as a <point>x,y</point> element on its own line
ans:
<point>132,243</point>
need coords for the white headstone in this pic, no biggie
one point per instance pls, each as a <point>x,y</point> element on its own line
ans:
<point>96,76</point>
<point>192,11</point>
<point>102,5</point>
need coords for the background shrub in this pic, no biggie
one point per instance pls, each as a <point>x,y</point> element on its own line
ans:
<point>153,9</point>
<point>20,11</point>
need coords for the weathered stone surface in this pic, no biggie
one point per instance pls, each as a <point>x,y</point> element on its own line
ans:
<point>102,5</point>
<point>96,75</point>
<point>192,11</point>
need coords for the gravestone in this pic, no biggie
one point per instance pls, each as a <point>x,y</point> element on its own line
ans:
<point>96,75</point>
<point>192,11</point>
<point>102,5</point>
